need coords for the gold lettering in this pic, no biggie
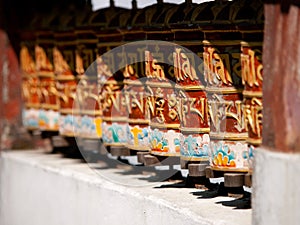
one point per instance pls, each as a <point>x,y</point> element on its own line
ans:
<point>220,109</point>
<point>231,106</point>
<point>60,64</point>
<point>79,64</point>
<point>102,68</point>
<point>173,106</point>
<point>159,111</point>
<point>222,71</point>
<point>200,112</point>
<point>150,102</point>
<point>26,61</point>
<point>66,91</point>
<point>86,91</point>
<point>153,70</point>
<point>250,74</point>
<point>42,61</point>
<point>48,89</point>
<point>254,116</point>
<point>216,111</point>
<point>182,66</point>
<point>135,102</point>
<point>216,66</point>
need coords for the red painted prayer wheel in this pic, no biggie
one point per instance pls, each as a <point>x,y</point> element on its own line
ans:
<point>31,92</point>
<point>88,121</point>
<point>222,23</point>
<point>188,70</point>
<point>110,78</point>
<point>252,75</point>
<point>138,122</point>
<point>114,124</point>
<point>113,105</point>
<point>163,105</point>
<point>194,125</point>
<point>224,89</point>
<point>49,110</point>
<point>162,97</point>
<point>134,83</point>
<point>64,69</point>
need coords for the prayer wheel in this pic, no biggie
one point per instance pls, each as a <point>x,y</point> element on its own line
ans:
<point>227,131</point>
<point>31,92</point>
<point>64,69</point>
<point>110,80</point>
<point>138,123</point>
<point>162,100</point>
<point>251,62</point>
<point>252,78</point>
<point>188,70</point>
<point>134,82</point>
<point>222,70</point>
<point>87,96</point>
<point>162,103</point>
<point>49,110</point>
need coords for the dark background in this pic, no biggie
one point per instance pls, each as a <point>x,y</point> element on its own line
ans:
<point>16,15</point>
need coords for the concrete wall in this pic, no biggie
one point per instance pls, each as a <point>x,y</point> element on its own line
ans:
<point>40,189</point>
<point>276,192</point>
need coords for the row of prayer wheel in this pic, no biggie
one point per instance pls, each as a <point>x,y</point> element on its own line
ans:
<point>172,80</point>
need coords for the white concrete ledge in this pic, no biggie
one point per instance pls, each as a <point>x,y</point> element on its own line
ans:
<point>276,192</point>
<point>43,189</point>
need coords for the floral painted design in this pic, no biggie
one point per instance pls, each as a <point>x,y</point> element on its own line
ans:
<point>30,118</point>
<point>137,136</point>
<point>168,142</point>
<point>43,119</point>
<point>48,119</point>
<point>251,156</point>
<point>114,133</point>
<point>67,125</point>
<point>89,126</point>
<point>196,146</point>
<point>229,154</point>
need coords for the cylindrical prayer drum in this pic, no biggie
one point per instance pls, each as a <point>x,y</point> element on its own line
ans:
<point>114,124</point>
<point>188,71</point>
<point>162,101</point>
<point>134,82</point>
<point>138,122</point>
<point>87,100</point>
<point>163,108</point>
<point>64,69</point>
<point>49,110</point>
<point>30,90</point>
<point>110,77</point>
<point>88,104</point>
<point>194,126</point>
<point>224,89</point>
<point>66,86</point>
<point>114,121</point>
<point>252,77</point>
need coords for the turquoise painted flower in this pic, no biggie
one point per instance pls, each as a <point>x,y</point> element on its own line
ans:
<point>191,143</point>
<point>43,117</point>
<point>117,133</point>
<point>157,135</point>
<point>69,120</point>
<point>177,141</point>
<point>145,132</point>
